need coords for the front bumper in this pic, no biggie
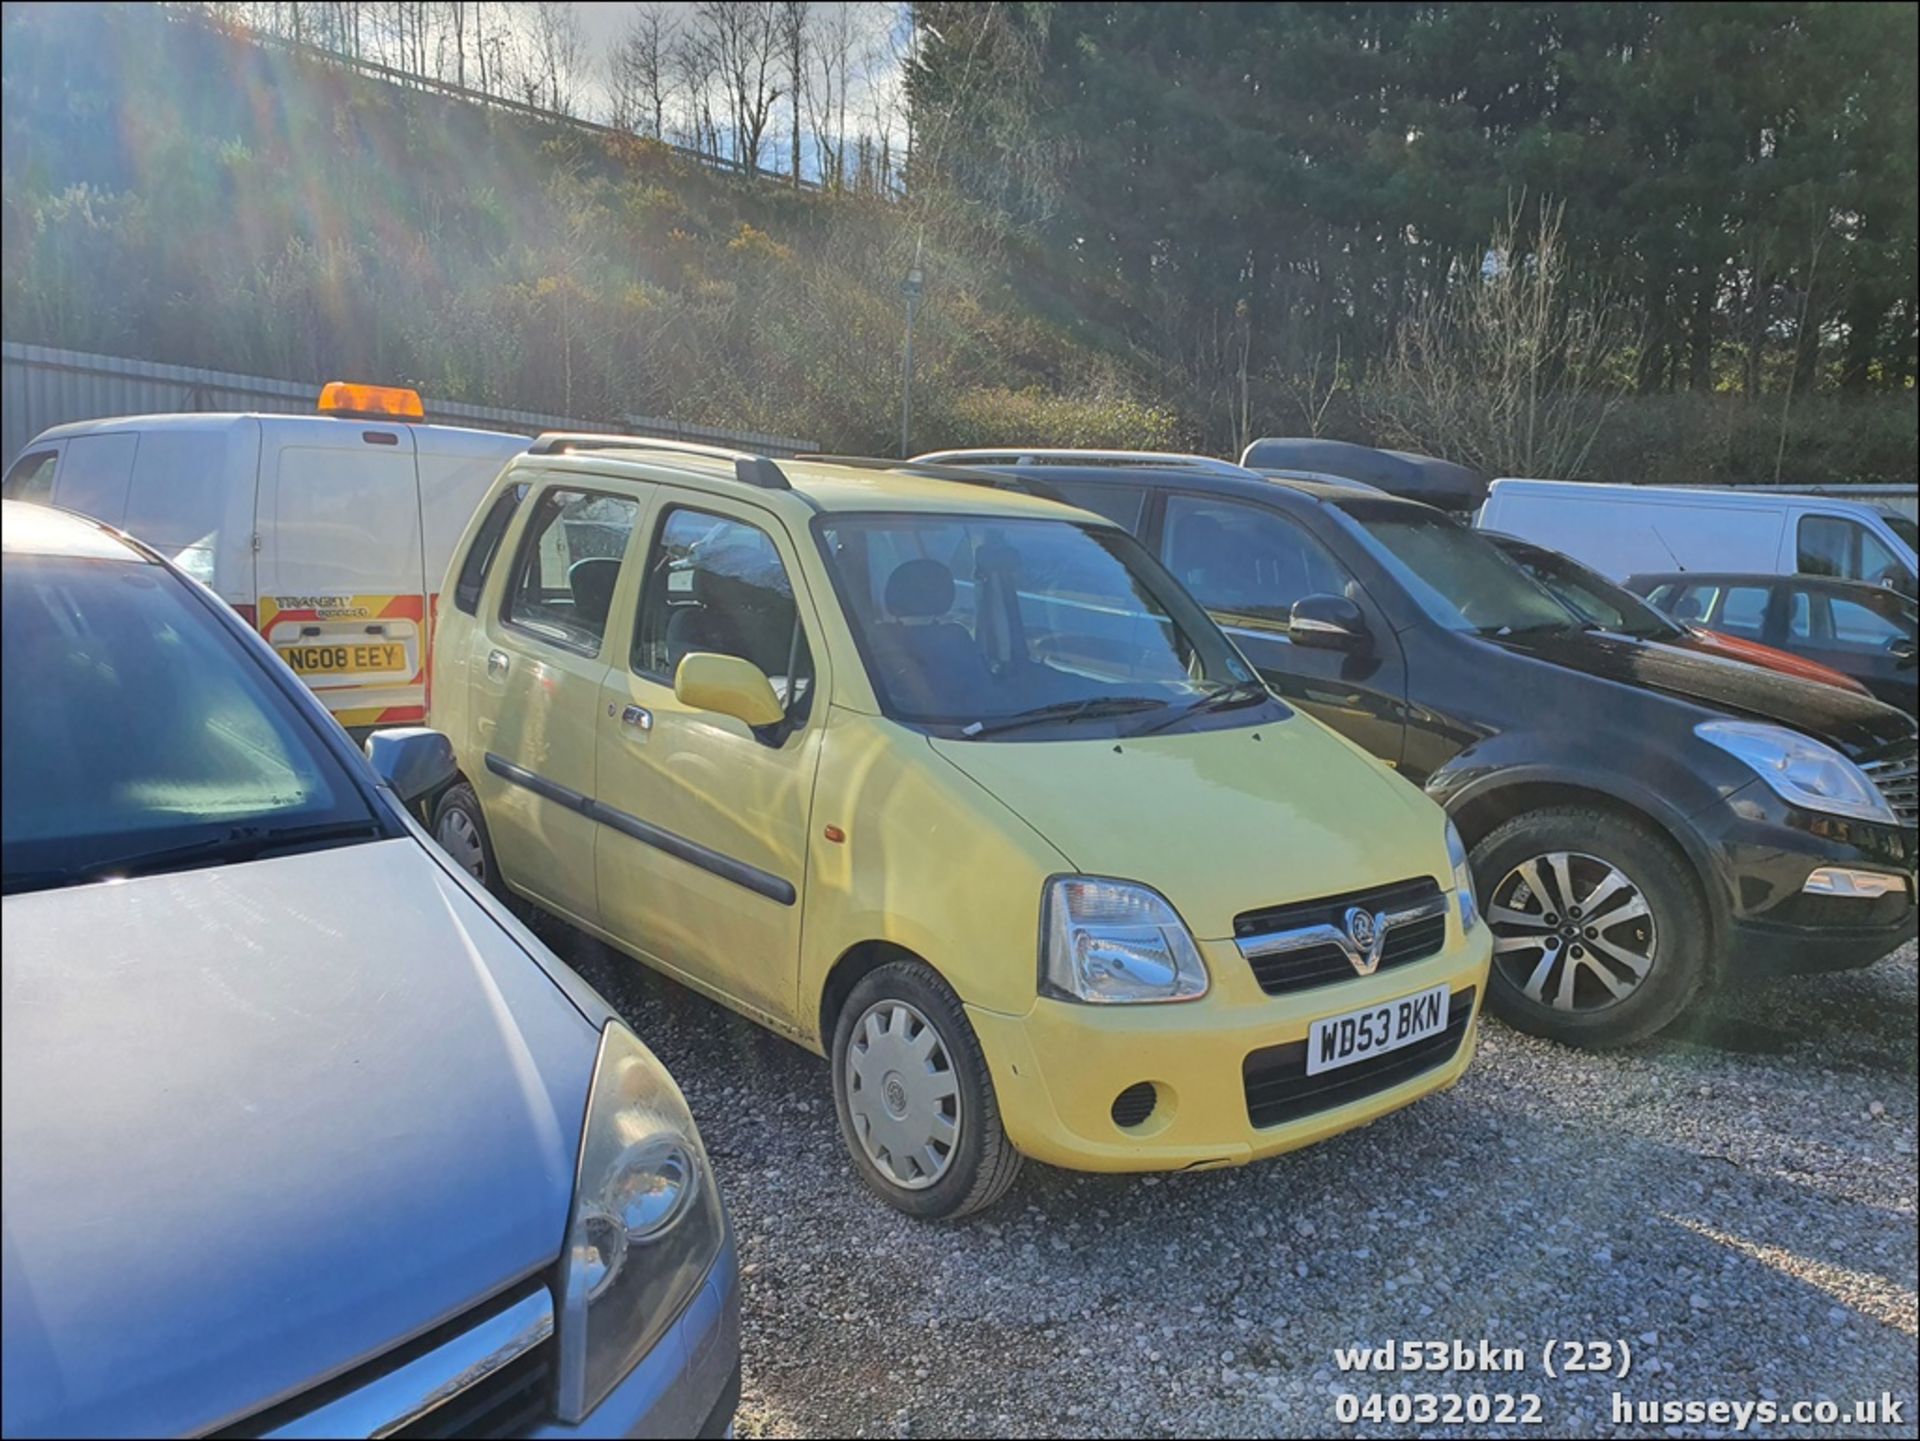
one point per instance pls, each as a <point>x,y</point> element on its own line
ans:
<point>689,1383</point>
<point>1058,1068</point>
<point>1764,850</point>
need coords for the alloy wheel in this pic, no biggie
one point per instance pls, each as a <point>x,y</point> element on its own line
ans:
<point>1572,931</point>
<point>902,1094</point>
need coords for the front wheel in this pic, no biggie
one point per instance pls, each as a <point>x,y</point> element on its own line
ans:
<point>915,1100</point>
<point>461,829</point>
<point>1601,935</point>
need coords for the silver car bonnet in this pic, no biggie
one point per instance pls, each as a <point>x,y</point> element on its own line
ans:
<point>263,1122</point>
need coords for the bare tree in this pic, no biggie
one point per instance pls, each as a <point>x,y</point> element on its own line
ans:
<point>793,40</point>
<point>745,38</point>
<point>641,72</point>
<point>826,92</point>
<point>1514,370</point>
<point>557,54</point>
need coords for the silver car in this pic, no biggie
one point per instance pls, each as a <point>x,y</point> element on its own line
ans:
<point>304,1133</point>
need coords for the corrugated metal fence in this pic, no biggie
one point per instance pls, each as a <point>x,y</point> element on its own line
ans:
<point>41,387</point>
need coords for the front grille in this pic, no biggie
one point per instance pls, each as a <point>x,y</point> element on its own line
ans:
<point>1326,964</point>
<point>1898,778</point>
<point>1280,1090</point>
<point>509,1402</point>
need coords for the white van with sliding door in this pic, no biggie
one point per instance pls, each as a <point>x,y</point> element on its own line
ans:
<point>329,532</point>
<point>1623,530</point>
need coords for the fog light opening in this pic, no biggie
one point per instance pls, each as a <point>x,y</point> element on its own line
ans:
<point>1135,1105</point>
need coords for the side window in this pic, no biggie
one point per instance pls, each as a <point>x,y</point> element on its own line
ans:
<point>569,560</point>
<point>1245,560</point>
<point>1832,545</point>
<point>1120,504</point>
<point>486,543</point>
<point>31,477</point>
<point>1692,604</point>
<point>1743,612</point>
<point>717,584</point>
<point>1800,616</point>
<point>1860,625</point>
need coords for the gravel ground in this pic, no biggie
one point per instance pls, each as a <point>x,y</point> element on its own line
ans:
<point>1735,1201</point>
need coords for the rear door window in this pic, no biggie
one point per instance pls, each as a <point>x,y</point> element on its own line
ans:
<point>1743,612</point>
<point>568,565</point>
<point>1121,504</point>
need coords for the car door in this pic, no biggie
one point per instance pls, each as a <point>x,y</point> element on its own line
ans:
<point>702,854</point>
<point>1869,637</point>
<point>1248,564</point>
<point>534,676</point>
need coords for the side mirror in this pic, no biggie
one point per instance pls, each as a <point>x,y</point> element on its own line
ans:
<point>413,761</point>
<point>728,685</point>
<point>1328,622</point>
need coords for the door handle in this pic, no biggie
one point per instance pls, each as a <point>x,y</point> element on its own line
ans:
<point>639,717</point>
<point>497,663</point>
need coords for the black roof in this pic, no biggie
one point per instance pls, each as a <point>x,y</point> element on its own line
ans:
<point>1826,584</point>
<point>1398,472</point>
<point>1246,485</point>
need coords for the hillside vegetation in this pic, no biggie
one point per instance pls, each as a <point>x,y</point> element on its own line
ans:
<point>1122,245</point>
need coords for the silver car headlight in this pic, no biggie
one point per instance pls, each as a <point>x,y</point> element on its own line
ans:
<point>1800,769</point>
<point>1462,878</point>
<point>646,1225</point>
<point>1110,941</point>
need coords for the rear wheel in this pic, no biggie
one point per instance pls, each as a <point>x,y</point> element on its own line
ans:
<point>915,1100</point>
<point>1600,932</point>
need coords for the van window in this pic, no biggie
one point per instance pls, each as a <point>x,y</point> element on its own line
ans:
<point>568,565</point>
<point>1833,545</point>
<point>1246,560</point>
<point>31,477</point>
<point>486,542</point>
<point>717,584</point>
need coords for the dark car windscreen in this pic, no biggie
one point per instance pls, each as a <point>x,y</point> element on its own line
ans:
<point>991,624</point>
<point>139,734</point>
<point>1457,576</point>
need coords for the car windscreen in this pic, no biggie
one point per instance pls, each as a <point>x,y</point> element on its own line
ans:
<point>139,734</point>
<point>1457,576</point>
<point>984,626</point>
<point>1594,598</point>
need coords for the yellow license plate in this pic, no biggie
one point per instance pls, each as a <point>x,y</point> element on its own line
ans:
<point>345,658</point>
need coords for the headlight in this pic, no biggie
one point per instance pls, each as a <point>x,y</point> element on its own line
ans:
<point>646,1223</point>
<point>1110,941</point>
<point>1462,878</point>
<point>1800,769</point>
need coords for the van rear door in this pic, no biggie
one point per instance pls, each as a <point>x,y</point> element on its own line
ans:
<point>342,592</point>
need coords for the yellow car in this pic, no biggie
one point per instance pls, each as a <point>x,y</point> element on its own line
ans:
<point>957,786</point>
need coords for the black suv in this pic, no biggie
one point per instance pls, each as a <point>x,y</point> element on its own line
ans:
<point>1642,820</point>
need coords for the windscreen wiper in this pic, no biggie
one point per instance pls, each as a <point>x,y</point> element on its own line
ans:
<point>1241,692</point>
<point>236,843</point>
<point>1063,711</point>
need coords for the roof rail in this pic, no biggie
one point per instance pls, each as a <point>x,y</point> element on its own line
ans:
<point>749,469</point>
<point>1044,456</point>
<point>961,474</point>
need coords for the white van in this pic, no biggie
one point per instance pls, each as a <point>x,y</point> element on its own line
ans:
<point>1623,530</point>
<point>330,532</point>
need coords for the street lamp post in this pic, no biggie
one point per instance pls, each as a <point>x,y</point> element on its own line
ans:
<point>910,288</point>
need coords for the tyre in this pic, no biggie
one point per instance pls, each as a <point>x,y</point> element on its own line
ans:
<point>914,1097</point>
<point>460,828</point>
<point>1601,934</point>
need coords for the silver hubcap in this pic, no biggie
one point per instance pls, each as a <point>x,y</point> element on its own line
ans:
<point>1572,931</point>
<point>903,1095</point>
<point>460,839</point>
